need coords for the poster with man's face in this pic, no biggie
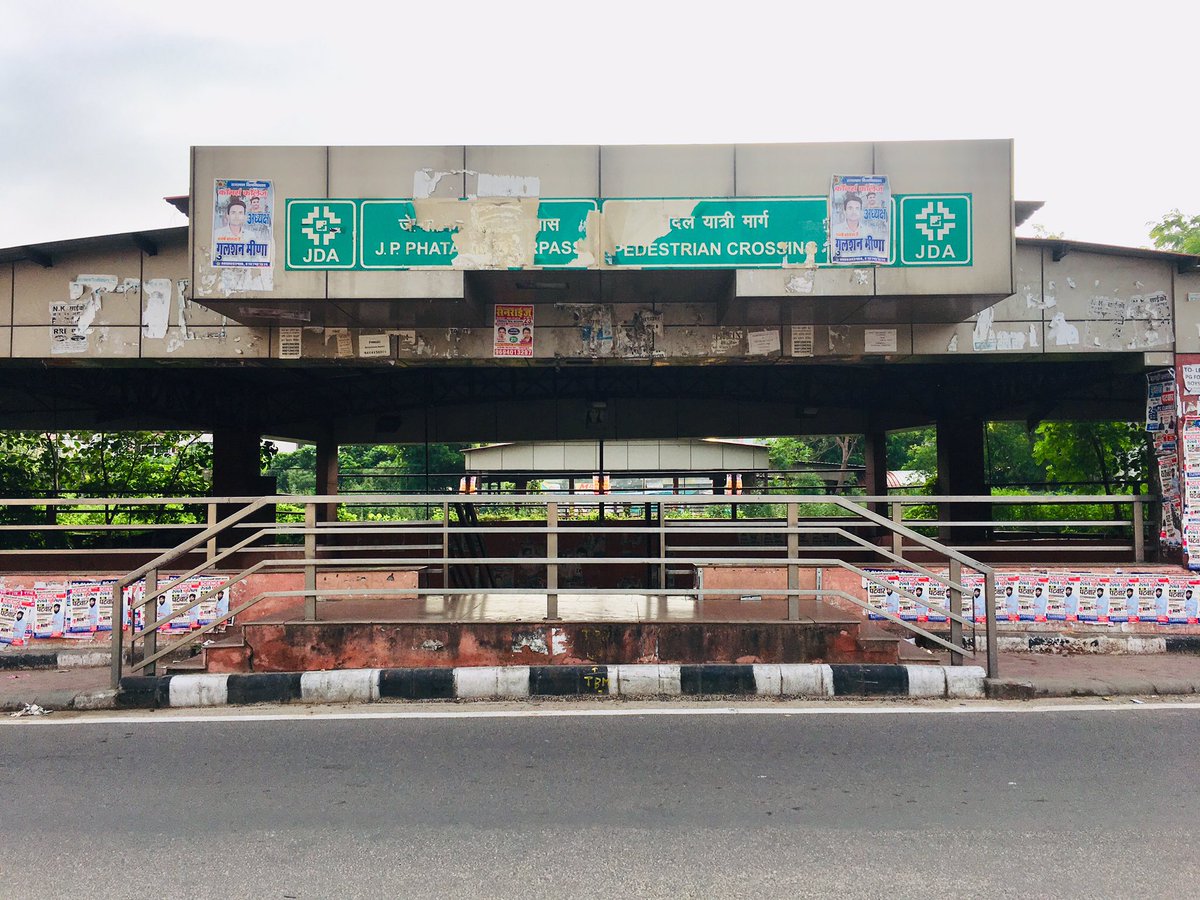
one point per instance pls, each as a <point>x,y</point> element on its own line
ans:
<point>860,220</point>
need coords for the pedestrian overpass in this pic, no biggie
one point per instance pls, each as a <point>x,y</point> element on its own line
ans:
<point>344,295</point>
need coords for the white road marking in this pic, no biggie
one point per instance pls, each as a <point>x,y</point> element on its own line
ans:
<point>171,717</point>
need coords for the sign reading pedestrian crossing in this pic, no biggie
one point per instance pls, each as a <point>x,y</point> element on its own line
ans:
<point>624,233</point>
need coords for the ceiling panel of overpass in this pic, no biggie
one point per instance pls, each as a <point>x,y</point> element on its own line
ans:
<point>467,404</point>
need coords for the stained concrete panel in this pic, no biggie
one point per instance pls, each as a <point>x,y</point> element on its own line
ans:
<point>35,287</point>
<point>980,168</point>
<point>116,341</point>
<point>204,342</point>
<point>843,281</point>
<point>562,171</point>
<point>297,172</point>
<point>6,294</point>
<point>798,170</point>
<point>1187,312</point>
<point>667,171</point>
<point>389,172</point>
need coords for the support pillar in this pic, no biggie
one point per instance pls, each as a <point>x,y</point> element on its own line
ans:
<point>327,476</point>
<point>237,472</point>
<point>236,463</point>
<point>961,471</point>
<point>875,477</point>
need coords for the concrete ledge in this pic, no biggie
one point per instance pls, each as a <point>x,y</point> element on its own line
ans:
<point>69,658</point>
<point>519,682</point>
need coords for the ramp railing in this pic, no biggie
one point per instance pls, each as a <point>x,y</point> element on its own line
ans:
<point>547,555</point>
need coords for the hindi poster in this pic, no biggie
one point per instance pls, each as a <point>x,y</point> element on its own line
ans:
<point>8,614</point>
<point>80,603</point>
<point>243,240</point>
<point>242,224</point>
<point>513,327</point>
<point>860,220</point>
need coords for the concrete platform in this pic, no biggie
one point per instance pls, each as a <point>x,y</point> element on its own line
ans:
<point>492,629</point>
<point>531,607</point>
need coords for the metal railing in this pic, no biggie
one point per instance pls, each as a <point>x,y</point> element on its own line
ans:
<point>445,537</point>
<point>130,530</point>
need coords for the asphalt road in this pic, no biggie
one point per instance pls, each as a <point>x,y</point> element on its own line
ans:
<point>1053,804</point>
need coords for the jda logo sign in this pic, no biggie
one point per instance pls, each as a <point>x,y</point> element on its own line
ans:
<point>321,234</point>
<point>935,230</point>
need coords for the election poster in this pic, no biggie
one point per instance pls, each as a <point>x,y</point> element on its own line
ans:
<point>80,605</point>
<point>1093,595</point>
<point>1008,603</point>
<point>104,605</point>
<point>51,610</point>
<point>1123,598</point>
<point>8,615</point>
<point>513,327</point>
<point>875,595</point>
<point>860,220</point>
<point>242,224</point>
<point>1155,609</point>
<point>1183,604</point>
<point>974,601</point>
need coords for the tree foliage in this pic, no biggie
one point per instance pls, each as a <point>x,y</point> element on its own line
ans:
<point>374,468</point>
<point>1177,232</point>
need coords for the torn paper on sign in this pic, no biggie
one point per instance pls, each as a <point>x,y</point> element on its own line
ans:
<point>157,310</point>
<point>489,185</point>
<point>879,340</point>
<point>372,345</point>
<point>290,342</point>
<point>64,335</point>
<point>801,282</point>
<point>802,340</point>
<point>761,343</point>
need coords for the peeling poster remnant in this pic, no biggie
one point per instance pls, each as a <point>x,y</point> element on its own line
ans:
<point>64,338</point>
<point>761,343</point>
<point>291,342</point>
<point>802,340</point>
<point>157,309</point>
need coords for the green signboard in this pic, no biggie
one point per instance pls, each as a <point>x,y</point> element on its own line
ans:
<point>721,233</point>
<point>935,230</point>
<point>321,234</point>
<point>663,233</point>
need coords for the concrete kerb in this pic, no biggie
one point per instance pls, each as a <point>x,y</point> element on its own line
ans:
<point>520,682</point>
<point>70,658</point>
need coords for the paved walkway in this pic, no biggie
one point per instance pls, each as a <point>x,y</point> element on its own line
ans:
<point>1058,675</point>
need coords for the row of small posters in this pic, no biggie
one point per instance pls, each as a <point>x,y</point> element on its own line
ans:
<point>1161,418</point>
<point>1054,597</point>
<point>80,609</point>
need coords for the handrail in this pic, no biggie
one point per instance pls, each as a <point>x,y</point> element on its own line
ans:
<point>855,514</point>
<point>193,542</point>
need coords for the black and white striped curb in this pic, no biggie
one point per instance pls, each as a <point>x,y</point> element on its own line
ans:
<point>1131,644</point>
<point>520,682</point>
<point>55,659</point>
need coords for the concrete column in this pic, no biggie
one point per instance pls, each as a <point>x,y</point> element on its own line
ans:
<point>237,472</point>
<point>236,463</point>
<point>961,471</point>
<point>327,476</point>
<point>875,460</point>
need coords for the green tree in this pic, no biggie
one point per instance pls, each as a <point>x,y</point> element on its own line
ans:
<point>1176,232</point>
<point>1010,456</point>
<point>1113,455</point>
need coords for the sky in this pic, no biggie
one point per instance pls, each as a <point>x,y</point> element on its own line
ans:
<point>100,100</point>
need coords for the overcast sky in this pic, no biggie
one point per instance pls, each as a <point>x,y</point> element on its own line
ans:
<point>100,100</point>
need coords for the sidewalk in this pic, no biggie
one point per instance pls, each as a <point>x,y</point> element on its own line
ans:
<point>79,688</point>
<point>1027,675</point>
